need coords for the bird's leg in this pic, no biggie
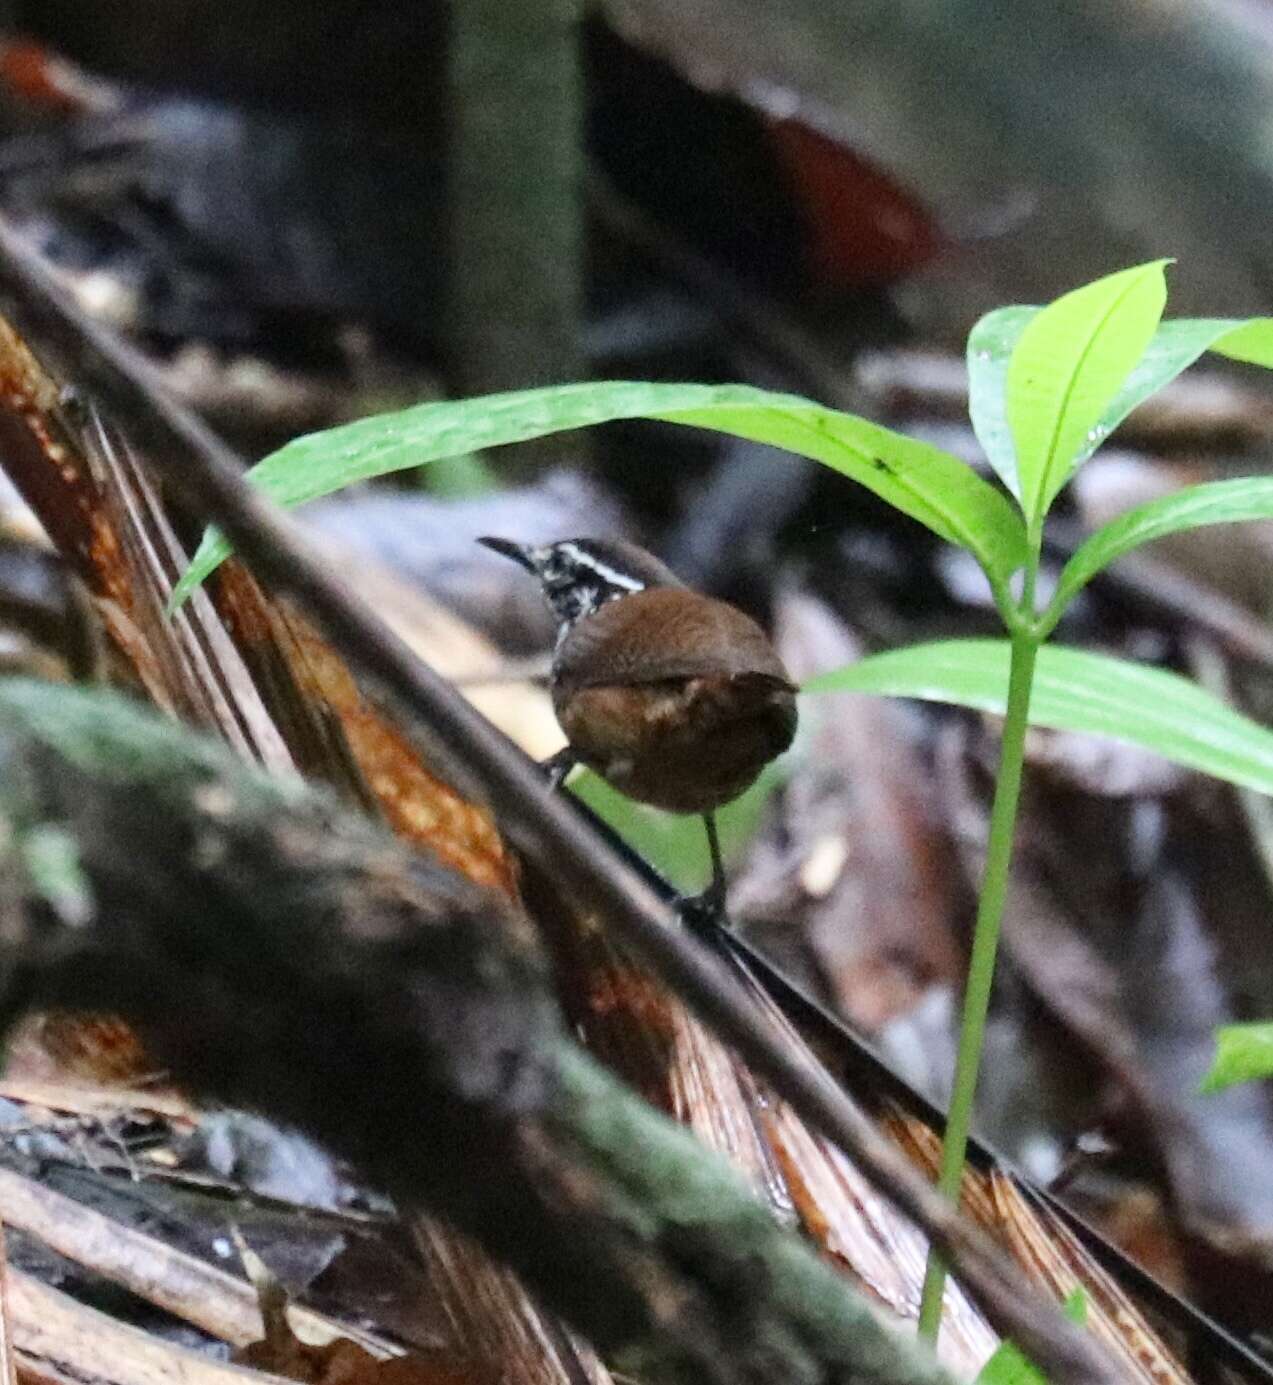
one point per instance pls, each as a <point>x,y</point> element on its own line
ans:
<point>716,890</point>
<point>706,910</point>
<point>557,767</point>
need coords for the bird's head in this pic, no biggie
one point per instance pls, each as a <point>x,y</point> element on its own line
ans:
<point>578,576</point>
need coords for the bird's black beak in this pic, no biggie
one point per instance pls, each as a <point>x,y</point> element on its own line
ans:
<point>519,553</point>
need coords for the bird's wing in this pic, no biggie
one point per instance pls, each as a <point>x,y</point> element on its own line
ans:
<point>653,637</point>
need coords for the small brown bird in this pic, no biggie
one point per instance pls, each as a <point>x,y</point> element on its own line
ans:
<point>675,698</point>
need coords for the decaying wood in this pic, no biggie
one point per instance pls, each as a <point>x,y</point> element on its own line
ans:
<point>644,1033</point>
<point>1046,1252</point>
<point>61,1342</point>
<point>8,1359</point>
<point>482,766</point>
<point>187,665</point>
<point>268,672</point>
<point>1049,1242</point>
<point>337,734</point>
<point>402,1016</point>
<point>181,1284</point>
<point>97,1102</point>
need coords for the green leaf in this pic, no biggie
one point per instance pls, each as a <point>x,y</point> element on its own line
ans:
<point>990,346</point>
<point>929,485</point>
<point>1075,690</point>
<point>1250,341</point>
<point>940,491</point>
<point>1244,1053</point>
<point>677,846</point>
<point>1175,347</point>
<point>459,477</point>
<point>1009,1367</point>
<point>1216,502</point>
<point>1066,370</point>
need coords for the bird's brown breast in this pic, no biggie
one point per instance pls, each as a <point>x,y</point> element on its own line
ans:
<point>677,699</point>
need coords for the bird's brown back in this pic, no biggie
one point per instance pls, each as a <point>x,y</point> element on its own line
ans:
<point>697,636</point>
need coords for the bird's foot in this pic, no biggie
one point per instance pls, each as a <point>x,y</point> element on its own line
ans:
<point>704,914</point>
<point>557,767</point>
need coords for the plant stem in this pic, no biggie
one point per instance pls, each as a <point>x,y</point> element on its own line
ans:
<point>981,968</point>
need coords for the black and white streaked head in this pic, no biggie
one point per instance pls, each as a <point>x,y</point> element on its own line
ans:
<point>579,576</point>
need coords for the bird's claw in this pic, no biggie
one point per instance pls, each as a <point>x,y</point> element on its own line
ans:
<point>557,767</point>
<point>704,914</point>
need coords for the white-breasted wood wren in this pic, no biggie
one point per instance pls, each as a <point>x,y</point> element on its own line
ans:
<point>675,698</point>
